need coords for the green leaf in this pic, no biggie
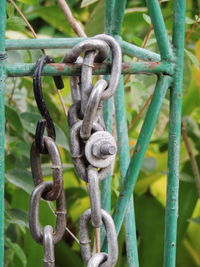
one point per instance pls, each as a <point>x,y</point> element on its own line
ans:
<point>150,224</point>
<point>61,139</point>
<point>195,220</point>
<point>149,164</point>
<point>29,2</point>
<point>193,58</point>
<point>147,18</point>
<point>21,178</point>
<point>18,251</point>
<point>14,120</point>
<point>54,16</point>
<point>85,3</point>
<point>30,120</point>
<point>20,215</point>
<point>97,19</point>
<point>188,20</point>
<point>10,10</point>
<point>15,23</point>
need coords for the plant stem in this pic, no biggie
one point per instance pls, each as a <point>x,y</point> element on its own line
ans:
<point>140,112</point>
<point>70,18</point>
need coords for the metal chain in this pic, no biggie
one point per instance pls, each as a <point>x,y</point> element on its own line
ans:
<point>93,150</point>
<point>51,191</point>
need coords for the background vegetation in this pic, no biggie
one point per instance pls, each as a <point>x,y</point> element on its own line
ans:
<point>150,193</point>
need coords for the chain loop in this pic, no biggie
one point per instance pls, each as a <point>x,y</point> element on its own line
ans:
<point>49,258</point>
<point>91,111</point>
<point>110,233</point>
<point>56,166</point>
<point>94,193</point>
<point>85,46</point>
<point>36,231</point>
<point>116,64</point>
<point>97,259</point>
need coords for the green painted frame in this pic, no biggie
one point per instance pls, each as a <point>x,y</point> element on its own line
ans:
<point>168,66</point>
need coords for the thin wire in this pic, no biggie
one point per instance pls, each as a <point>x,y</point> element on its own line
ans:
<point>67,229</point>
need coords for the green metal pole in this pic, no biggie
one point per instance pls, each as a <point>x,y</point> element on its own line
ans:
<point>118,17</point>
<point>149,68</point>
<point>108,115</point>
<point>140,150</point>
<point>124,158</point>
<point>136,51</point>
<point>123,144</point>
<point>159,29</point>
<point>2,125</point>
<point>58,43</point>
<point>174,136</point>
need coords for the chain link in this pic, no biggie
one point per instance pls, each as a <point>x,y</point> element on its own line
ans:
<point>93,151</point>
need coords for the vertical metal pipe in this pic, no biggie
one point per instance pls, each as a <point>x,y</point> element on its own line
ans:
<point>107,113</point>
<point>2,115</point>
<point>124,159</point>
<point>159,29</point>
<point>119,9</point>
<point>140,150</point>
<point>174,136</point>
<point>117,15</point>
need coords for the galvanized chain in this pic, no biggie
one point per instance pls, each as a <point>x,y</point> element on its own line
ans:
<point>93,150</point>
<point>51,191</point>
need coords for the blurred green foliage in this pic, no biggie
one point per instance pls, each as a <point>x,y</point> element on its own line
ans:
<point>150,193</point>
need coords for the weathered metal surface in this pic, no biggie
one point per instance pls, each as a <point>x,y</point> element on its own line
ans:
<point>57,43</point>
<point>174,135</point>
<point>111,235</point>
<point>160,29</point>
<point>56,167</point>
<point>70,69</point>
<point>34,225</point>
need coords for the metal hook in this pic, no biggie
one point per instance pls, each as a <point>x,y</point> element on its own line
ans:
<point>47,121</point>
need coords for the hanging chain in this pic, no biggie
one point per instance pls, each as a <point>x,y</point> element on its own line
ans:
<point>51,191</point>
<point>93,151</point>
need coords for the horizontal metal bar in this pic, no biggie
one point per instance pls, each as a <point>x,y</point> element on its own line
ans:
<point>55,43</point>
<point>149,68</point>
<point>48,43</point>
<point>136,51</point>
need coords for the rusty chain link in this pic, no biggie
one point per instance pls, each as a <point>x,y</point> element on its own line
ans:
<point>93,150</point>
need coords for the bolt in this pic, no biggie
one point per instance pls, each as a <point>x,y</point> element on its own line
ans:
<point>95,150</point>
<point>107,149</point>
<point>104,150</point>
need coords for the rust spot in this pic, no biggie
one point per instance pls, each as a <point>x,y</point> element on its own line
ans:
<point>125,65</point>
<point>137,149</point>
<point>153,64</point>
<point>59,66</point>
